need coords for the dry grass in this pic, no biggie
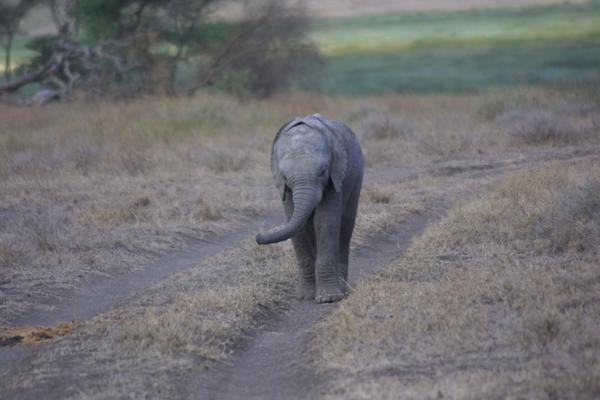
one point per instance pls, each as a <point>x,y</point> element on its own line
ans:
<point>206,310</point>
<point>498,300</point>
<point>528,118</point>
<point>387,139</point>
<point>535,126</point>
<point>382,127</point>
<point>384,206</point>
<point>102,188</point>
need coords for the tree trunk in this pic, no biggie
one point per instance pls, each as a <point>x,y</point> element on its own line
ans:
<point>7,61</point>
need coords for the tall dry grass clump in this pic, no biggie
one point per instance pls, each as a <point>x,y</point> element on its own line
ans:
<point>384,126</point>
<point>537,126</point>
<point>388,139</point>
<point>500,299</point>
<point>573,222</point>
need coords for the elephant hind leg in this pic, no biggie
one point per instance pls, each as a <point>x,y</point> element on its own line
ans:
<point>347,228</point>
<point>305,249</point>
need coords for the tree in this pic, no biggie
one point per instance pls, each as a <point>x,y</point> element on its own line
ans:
<point>127,47</point>
<point>269,47</point>
<point>263,51</point>
<point>63,15</point>
<point>11,14</point>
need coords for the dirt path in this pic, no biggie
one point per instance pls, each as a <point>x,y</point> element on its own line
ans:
<point>112,292</point>
<point>270,366</point>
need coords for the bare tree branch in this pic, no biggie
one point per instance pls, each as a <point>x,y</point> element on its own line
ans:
<point>11,87</point>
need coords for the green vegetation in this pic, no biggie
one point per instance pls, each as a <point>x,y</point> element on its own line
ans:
<point>460,51</point>
<point>380,33</point>
<point>20,54</point>
<point>463,68</point>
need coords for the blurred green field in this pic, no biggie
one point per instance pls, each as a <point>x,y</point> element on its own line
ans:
<point>464,51</point>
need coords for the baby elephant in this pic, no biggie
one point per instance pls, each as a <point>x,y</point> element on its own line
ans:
<point>318,168</point>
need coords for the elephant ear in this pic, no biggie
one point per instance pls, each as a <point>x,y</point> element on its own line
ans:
<point>339,162</point>
<point>279,182</point>
<point>334,130</point>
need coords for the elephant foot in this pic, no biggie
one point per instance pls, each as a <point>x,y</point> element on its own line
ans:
<point>306,292</point>
<point>329,295</point>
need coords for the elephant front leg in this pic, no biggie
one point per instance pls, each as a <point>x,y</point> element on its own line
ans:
<point>307,285</point>
<point>328,274</point>
<point>305,255</point>
<point>305,249</point>
<point>329,288</point>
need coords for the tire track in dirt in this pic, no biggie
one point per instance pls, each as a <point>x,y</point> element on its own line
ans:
<point>270,366</point>
<point>115,291</point>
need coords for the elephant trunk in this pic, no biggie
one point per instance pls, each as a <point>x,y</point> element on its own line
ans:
<point>305,200</point>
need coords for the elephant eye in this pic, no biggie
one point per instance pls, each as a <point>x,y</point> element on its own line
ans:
<point>322,171</point>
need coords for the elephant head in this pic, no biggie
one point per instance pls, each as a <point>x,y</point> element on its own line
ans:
<point>306,156</point>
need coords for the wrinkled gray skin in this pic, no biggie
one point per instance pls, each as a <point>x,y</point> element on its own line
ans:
<point>318,168</point>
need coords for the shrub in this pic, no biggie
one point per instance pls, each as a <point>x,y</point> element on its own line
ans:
<point>572,220</point>
<point>135,162</point>
<point>225,159</point>
<point>378,195</point>
<point>536,126</point>
<point>382,126</point>
<point>48,229</point>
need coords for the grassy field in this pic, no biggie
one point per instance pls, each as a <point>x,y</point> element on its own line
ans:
<point>460,51</point>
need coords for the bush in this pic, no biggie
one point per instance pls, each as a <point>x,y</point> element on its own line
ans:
<point>382,126</point>
<point>535,126</point>
<point>572,220</point>
<point>225,159</point>
<point>270,46</point>
<point>125,49</point>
